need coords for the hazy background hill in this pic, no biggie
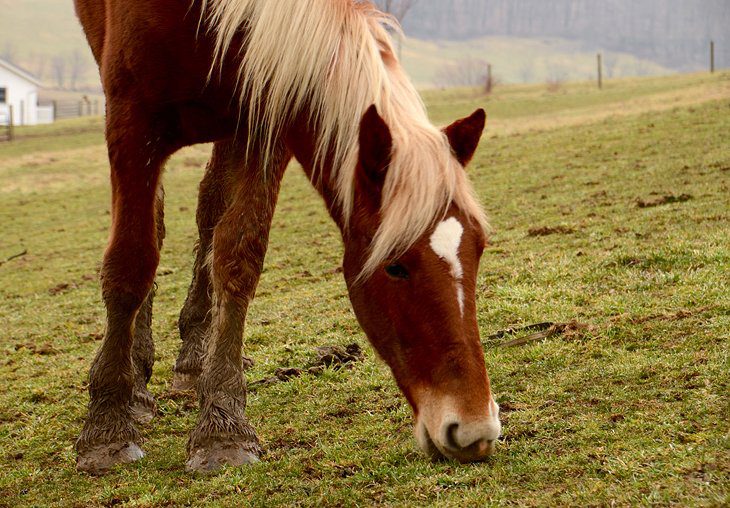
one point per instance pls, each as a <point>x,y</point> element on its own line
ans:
<point>45,37</point>
<point>673,33</point>
<point>451,41</point>
<point>444,63</point>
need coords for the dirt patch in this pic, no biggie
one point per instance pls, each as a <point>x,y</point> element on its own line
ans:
<point>65,287</point>
<point>14,256</point>
<point>572,330</point>
<point>190,162</point>
<point>550,230</point>
<point>39,161</point>
<point>672,316</point>
<point>61,288</point>
<point>43,350</point>
<point>187,400</point>
<point>92,337</point>
<point>662,200</point>
<point>335,357</point>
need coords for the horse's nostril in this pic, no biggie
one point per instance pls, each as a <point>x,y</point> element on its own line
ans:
<point>451,440</point>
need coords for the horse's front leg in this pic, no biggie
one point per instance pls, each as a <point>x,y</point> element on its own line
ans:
<point>130,262</point>
<point>227,161</point>
<point>223,434</point>
<point>143,404</point>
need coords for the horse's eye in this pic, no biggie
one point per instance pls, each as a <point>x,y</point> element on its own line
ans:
<point>397,271</point>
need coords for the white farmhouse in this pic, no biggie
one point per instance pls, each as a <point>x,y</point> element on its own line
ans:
<point>19,89</point>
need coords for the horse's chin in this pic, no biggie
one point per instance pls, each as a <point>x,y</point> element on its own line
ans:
<point>425,443</point>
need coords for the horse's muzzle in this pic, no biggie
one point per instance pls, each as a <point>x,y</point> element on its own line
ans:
<point>447,435</point>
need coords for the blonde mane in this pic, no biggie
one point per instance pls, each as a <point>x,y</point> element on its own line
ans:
<point>332,59</point>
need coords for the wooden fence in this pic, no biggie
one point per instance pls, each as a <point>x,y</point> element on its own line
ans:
<point>75,108</point>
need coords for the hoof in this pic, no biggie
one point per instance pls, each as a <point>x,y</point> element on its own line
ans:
<point>143,408</point>
<point>216,455</point>
<point>184,382</point>
<point>100,459</point>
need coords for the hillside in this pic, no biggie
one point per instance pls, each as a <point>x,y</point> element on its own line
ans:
<point>441,63</point>
<point>674,33</point>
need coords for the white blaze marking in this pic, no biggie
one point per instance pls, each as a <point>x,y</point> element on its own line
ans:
<point>445,242</point>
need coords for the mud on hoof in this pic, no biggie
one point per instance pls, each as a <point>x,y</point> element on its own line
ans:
<point>143,407</point>
<point>215,455</point>
<point>100,459</point>
<point>184,382</point>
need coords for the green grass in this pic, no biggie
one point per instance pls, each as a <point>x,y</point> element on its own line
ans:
<point>633,410</point>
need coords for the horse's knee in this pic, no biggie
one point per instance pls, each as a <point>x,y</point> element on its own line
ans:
<point>128,274</point>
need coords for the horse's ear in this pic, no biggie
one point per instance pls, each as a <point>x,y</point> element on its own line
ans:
<point>464,135</point>
<point>376,145</point>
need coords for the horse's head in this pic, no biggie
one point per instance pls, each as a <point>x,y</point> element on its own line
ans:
<point>418,309</point>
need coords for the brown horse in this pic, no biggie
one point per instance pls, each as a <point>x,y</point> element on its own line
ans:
<point>268,81</point>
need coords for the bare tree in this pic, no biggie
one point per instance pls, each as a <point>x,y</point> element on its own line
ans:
<point>39,64</point>
<point>642,68</point>
<point>9,52</point>
<point>77,69</point>
<point>555,77</point>
<point>610,63</point>
<point>465,72</point>
<point>398,8</point>
<point>58,65</point>
<point>527,73</point>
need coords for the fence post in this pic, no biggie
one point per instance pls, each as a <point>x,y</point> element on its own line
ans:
<point>81,108</point>
<point>55,110</point>
<point>600,71</point>
<point>490,83</point>
<point>712,56</point>
<point>10,124</point>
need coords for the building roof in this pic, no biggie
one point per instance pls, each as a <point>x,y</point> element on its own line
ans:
<point>19,72</point>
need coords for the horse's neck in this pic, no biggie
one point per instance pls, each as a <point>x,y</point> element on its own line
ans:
<point>302,141</point>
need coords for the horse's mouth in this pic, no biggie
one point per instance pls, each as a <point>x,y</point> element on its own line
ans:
<point>476,452</point>
<point>426,443</point>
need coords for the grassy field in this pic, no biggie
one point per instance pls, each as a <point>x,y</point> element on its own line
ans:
<point>610,209</point>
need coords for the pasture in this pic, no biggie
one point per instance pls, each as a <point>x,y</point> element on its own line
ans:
<point>610,210</point>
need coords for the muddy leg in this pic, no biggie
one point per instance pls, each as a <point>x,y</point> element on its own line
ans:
<point>143,404</point>
<point>223,434</point>
<point>109,436</point>
<point>227,160</point>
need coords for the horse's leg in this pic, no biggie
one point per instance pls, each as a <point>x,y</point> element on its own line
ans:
<point>227,159</point>
<point>136,155</point>
<point>223,434</point>
<point>143,349</point>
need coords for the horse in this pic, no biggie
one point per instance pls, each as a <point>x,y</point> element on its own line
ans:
<point>267,82</point>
